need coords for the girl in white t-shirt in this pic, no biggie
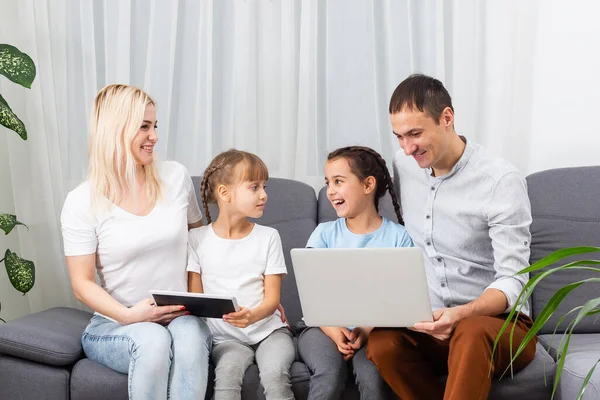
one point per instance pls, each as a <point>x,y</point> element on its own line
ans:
<point>128,222</point>
<point>235,257</point>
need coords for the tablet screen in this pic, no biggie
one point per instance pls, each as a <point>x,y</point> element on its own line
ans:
<point>200,305</point>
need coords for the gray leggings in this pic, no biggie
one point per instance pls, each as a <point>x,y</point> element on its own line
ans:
<point>329,371</point>
<point>274,356</point>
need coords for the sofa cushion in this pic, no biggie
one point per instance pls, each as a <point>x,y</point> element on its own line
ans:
<point>24,380</point>
<point>583,353</point>
<point>49,337</point>
<point>92,381</point>
<point>292,210</point>
<point>565,205</point>
<point>326,212</point>
<point>533,382</point>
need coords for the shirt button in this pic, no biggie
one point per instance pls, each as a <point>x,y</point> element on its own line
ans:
<point>428,217</point>
<point>428,243</point>
<point>443,284</point>
<point>439,259</point>
<point>433,188</point>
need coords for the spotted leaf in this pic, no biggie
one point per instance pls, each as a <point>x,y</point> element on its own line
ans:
<point>9,119</point>
<point>21,272</point>
<point>8,222</point>
<point>16,66</point>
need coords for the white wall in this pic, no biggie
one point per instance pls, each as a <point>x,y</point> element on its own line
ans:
<point>566,87</point>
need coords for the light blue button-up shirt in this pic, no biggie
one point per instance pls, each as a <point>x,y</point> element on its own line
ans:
<point>472,225</point>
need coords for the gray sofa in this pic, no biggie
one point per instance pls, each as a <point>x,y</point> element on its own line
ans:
<point>41,355</point>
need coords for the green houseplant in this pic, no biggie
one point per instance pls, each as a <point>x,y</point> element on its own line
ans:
<point>19,68</point>
<point>589,308</point>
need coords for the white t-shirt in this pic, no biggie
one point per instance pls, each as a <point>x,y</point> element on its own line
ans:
<point>237,267</point>
<point>135,254</point>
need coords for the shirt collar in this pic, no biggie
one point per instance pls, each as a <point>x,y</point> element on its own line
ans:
<point>462,161</point>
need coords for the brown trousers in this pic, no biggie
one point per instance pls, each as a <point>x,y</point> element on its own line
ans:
<point>412,363</point>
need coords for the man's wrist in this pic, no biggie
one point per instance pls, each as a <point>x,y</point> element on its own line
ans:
<point>463,311</point>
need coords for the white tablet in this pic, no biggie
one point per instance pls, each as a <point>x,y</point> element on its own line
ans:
<point>381,287</point>
<point>198,304</point>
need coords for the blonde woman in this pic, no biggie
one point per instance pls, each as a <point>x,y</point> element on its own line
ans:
<point>128,222</point>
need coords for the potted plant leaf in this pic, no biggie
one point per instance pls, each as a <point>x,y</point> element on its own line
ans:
<point>19,68</point>
<point>543,269</point>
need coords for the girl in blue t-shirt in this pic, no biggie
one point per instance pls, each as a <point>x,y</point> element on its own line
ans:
<point>356,178</point>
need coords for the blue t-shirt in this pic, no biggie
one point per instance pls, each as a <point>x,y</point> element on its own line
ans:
<point>335,234</point>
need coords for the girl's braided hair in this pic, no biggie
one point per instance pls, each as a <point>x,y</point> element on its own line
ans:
<point>365,162</point>
<point>229,168</point>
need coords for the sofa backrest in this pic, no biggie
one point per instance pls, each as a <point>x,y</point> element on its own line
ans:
<point>565,205</point>
<point>292,210</point>
<point>326,212</point>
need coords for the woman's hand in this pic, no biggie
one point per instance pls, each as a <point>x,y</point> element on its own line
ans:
<point>146,311</point>
<point>240,319</point>
<point>341,336</point>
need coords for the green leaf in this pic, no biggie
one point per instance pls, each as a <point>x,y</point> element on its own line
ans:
<point>541,319</point>
<point>561,359</point>
<point>528,290</point>
<point>9,119</point>
<point>21,272</point>
<point>557,256</point>
<point>586,381</point>
<point>553,303</point>
<point>16,66</point>
<point>8,222</point>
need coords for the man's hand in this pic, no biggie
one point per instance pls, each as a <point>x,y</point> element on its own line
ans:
<point>444,321</point>
<point>240,319</point>
<point>341,336</point>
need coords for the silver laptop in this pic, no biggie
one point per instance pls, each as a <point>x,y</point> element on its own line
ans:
<point>384,287</point>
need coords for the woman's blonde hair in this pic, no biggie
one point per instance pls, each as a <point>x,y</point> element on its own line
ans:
<point>231,167</point>
<point>117,115</point>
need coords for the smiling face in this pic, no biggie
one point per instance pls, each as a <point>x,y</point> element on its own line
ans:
<point>142,145</point>
<point>428,142</point>
<point>347,193</point>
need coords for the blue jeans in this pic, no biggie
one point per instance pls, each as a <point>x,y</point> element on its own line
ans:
<point>162,362</point>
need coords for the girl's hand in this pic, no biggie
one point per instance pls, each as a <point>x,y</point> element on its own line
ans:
<point>240,319</point>
<point>146,311</point>
<point>282,311</point>
<point>358,338</point>
<point>341,336</point>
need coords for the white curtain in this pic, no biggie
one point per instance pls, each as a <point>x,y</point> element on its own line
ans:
<point>289,80</point>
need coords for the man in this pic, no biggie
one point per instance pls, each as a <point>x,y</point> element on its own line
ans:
<point>470,214</point>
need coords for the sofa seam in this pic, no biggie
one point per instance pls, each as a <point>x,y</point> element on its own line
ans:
<point>573,373</point>
<point>38,350</point>
<point>563,218</point>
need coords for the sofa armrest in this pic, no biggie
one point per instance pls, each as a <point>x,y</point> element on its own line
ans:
<point>49,337</point>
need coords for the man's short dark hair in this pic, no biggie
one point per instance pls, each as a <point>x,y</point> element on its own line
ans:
<point>423,93</point>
